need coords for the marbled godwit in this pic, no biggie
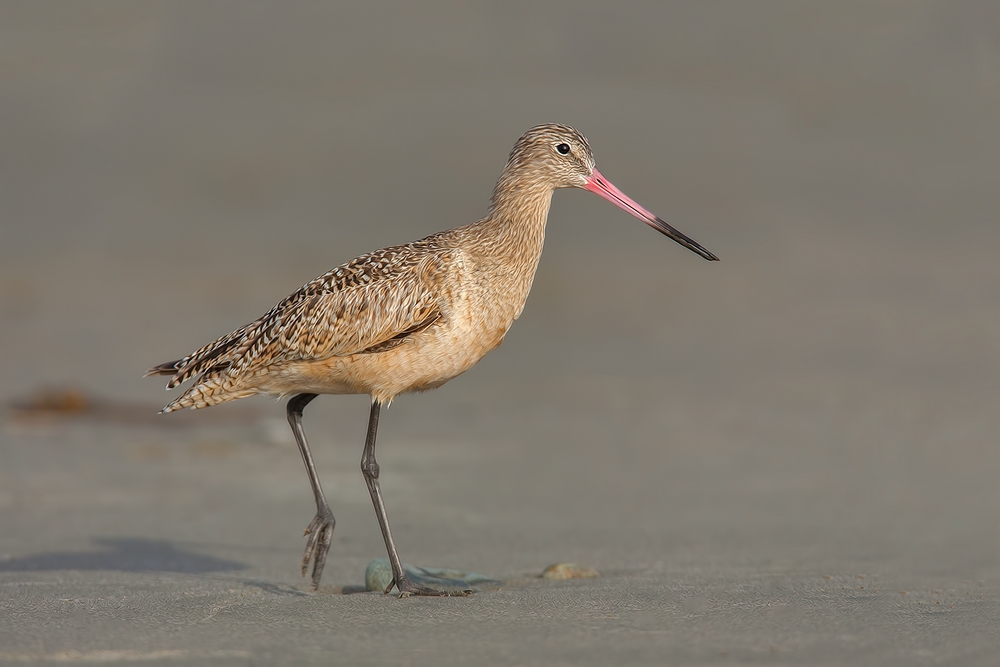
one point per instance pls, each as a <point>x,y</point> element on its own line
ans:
<point>405,318</point>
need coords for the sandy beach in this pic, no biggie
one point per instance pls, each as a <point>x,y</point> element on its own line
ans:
<point>786,457</point>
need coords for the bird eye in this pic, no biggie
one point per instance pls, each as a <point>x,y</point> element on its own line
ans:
<point>563,149</point>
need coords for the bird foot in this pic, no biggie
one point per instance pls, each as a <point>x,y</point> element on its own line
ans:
<point>320,537</point>
<point>407,588</point>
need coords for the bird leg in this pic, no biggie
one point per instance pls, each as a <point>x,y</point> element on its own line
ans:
<point>320,530</point>
<point>370,469</point>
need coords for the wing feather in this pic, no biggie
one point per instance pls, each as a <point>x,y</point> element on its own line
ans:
<point>364,305</point>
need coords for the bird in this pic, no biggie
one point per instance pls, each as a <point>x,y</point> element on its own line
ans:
<point>405,318</point>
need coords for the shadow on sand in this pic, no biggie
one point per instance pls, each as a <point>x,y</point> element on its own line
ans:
<point>125,554</point>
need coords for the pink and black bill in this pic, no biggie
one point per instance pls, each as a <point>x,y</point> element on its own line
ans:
<point>605,188</point>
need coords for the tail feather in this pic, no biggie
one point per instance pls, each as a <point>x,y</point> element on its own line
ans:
<point>204,361</point>
<point>208,365</point>
<point>207,359</point>
<point>207,392</point>
<point>212,368</point>
<point>168,368</point>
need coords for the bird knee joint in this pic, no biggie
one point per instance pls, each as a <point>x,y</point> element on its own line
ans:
<point>370,469</point>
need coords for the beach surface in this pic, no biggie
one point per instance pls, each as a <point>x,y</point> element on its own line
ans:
<point>790,456</point>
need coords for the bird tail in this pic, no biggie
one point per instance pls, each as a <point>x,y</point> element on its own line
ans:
<point>209,365</point>
<point>168,368</point>
<point>207,392</point>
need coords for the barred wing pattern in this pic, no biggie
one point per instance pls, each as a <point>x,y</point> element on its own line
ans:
<point>367,304</point>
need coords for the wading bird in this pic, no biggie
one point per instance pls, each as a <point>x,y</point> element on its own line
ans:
<point>404,318</point>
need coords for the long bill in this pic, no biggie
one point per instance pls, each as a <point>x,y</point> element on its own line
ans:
<point>605,188</point>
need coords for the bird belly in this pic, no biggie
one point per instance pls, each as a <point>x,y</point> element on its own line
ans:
<point>425,360</point>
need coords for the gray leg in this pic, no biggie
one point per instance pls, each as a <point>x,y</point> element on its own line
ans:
<point>370,469</point>
<point>320,530</point>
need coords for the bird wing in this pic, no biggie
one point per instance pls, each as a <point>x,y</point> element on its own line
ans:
<point>366,305</point>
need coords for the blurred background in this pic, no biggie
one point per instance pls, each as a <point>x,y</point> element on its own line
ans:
<point>823,397</point>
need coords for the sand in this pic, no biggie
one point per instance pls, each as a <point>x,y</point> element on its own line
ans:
<point>786,457</point>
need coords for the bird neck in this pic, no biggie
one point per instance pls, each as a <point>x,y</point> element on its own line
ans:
<point>507,247</point>
<point>518,211</point>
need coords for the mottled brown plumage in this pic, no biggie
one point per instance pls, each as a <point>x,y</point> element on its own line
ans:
<point>404,318</point>
<point>367,306</point>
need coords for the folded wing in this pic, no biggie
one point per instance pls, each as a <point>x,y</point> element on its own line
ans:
<point>370,304</point>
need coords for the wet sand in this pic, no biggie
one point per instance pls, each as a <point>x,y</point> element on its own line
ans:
<point>786,457</point>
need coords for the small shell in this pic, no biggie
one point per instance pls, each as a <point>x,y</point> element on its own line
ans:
<point>569,571</point>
